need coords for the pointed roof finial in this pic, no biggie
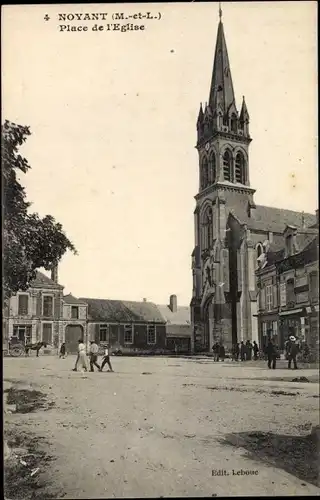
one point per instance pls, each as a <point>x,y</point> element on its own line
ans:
<point>220,11</point>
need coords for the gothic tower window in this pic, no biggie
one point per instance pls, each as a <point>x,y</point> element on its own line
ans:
<point>234,123</point>
<point>227,166</point>
<point>207,228</point>
<point>212,168</point>
<point>240,168</point>
<point>204,173</point>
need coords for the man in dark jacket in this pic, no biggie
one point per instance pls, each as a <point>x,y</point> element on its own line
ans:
<point>293,350</point>
<point>255,350</point>
<point>271,353</point>
<point>242,351</point>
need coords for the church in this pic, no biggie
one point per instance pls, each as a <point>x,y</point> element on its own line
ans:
<point>231,231</point>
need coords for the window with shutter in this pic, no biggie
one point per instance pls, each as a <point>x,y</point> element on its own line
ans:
<point>283,295</point>
<point>269,297</point>
<point>275,296</point>
<point>314,286</point>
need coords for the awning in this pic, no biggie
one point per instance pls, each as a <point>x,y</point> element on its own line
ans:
<point>293,311</point>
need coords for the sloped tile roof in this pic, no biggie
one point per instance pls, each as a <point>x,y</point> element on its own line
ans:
<point>276,219</point>
<point>42,280</point>
<point>180,317</point>
<point>122,311</point>
<point>70,299</point>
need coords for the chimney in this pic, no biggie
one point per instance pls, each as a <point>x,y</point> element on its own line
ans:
<point>54,274</point>
<point>303,222</point>
<point>144,300</point>
<point>173,303</point>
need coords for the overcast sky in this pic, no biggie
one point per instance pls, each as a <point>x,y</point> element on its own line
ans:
<point>113,121</point>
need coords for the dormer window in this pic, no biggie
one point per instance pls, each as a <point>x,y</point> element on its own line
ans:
<point>74,312</point>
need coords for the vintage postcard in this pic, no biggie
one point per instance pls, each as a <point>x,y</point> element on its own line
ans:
<point>160,250</point>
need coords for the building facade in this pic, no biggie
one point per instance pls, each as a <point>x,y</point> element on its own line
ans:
<point>43,314</point>
<point>34,315</point>
<point>230,229</point>
<point>127,326</point>
<point>288,290</point>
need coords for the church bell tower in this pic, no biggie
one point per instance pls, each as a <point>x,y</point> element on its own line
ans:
<point>223,140</point>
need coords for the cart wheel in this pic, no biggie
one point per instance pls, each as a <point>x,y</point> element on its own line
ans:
<point>16,351</point>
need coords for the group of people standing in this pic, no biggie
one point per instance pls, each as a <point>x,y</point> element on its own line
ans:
<point>82,361</point>
<point>219,351</point>
<point>245,351</point>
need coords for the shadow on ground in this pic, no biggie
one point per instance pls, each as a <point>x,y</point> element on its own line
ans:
<point>297,455</point>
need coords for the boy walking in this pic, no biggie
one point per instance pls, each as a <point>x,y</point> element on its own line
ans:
<point>94,349</point>
<point>62,351</point>
<point>106,359</point>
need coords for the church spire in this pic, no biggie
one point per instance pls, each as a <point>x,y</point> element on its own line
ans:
<point>221,90</point>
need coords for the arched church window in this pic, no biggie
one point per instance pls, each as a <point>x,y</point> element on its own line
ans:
<point>240,168</point>
<point>212,168</point>
<point>205,173</point>
<point>234,123</point>
<point>207,228</point>
<point>259,249</point>
<point>227,159</point>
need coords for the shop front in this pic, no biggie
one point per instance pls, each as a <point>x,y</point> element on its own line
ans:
<point>268,328</point>
<point>294,322</point>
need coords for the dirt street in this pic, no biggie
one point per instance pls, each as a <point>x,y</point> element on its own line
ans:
<point>159,427</point>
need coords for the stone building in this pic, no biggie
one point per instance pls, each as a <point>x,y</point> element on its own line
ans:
<point>230,229</point>
<point>43,313</point>
<point>34,315</point>
<point>288,289</point>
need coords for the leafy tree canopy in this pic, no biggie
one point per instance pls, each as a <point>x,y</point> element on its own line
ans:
<point>29,242</point>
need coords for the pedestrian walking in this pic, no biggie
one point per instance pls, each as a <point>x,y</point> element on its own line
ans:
<point>242,351</point>
<point>293,350</point>
<point>255,350</point>
<point>94,349</point>
<point>234,352</point>
<point>271,351</point>
<point>106,359</point>
<point>217,352</point>
<point>81,358</point>
<point>222,352</point>
<point>62,351</point>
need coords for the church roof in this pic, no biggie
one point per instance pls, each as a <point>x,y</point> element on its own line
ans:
<point>122,311</point>
<point>276,219</point>
<point>43,281</point>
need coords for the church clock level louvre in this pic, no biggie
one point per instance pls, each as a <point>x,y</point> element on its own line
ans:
<point>230,229</point>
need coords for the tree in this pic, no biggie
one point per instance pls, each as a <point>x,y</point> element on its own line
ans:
<point>29,242</point>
